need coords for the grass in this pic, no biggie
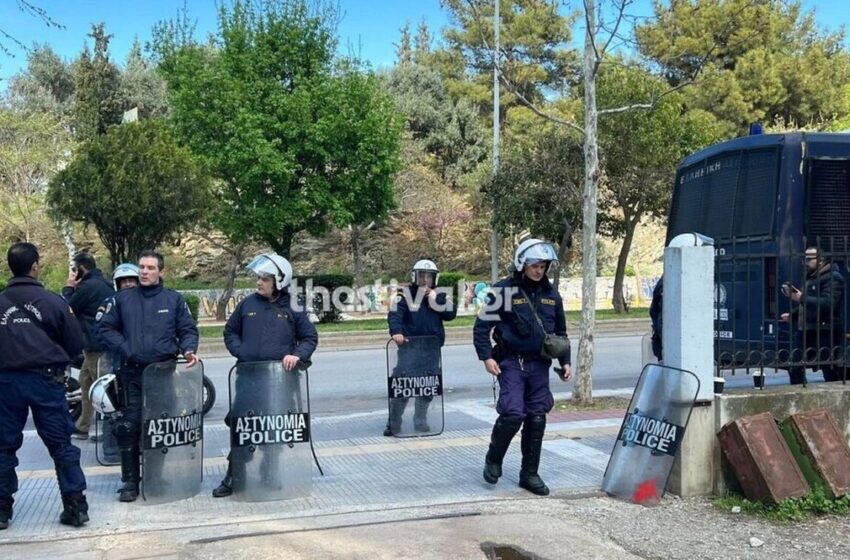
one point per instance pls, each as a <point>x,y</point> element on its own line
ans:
<point>463,321</point>
<point>599,403</point>
<point>794,509</point>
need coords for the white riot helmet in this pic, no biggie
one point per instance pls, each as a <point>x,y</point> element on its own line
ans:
<point>103,394</point>
<point>425,266</point>
<point>124,270</point>
<point>277,267</point>
<point>532,251</point>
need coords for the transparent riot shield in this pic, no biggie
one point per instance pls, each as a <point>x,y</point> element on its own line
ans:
<point>106,448</point>
<point>172,431</point>
<point>651,434</point>
<point>415,373</point>
<point>269,432</point>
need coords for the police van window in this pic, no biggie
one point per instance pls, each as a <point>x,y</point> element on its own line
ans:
<point>828,198</point>
<point>721,180</point>
<point>755,200</point>
<point>686,214</point>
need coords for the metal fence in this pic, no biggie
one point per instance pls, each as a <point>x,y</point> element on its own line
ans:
<point>782,308</point>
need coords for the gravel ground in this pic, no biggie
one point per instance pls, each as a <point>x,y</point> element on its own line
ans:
<point>695,529</point>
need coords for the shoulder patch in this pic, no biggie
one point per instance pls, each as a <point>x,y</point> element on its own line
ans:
<point>547,301</point>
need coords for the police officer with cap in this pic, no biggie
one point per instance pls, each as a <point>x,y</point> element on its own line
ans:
<point>144,325</point>
<point>265,328</point>
<point>38,335</point>
<point>520,311</point>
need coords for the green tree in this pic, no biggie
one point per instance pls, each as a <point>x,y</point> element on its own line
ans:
<point>97,104</point>
<point>141,86</point>
<point>422,43</point>
<point>32,148</point>
<point>297,141</point>
<point>640,152</point>
<point>135,185</point>
<point>538,187</point>
<point>47,84</point>
<point>774,61</point>
<point>403,50</point>
<point>447,129</point>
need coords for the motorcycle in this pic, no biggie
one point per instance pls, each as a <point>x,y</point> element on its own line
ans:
<point>74,393</point>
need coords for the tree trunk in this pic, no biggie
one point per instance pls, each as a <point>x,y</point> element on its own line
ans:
<point>67,237</point>
<point>236,257</point>
<point>583,392</point>
<point>563,254</point>
<point>283,244</point>
<point>619,294</point>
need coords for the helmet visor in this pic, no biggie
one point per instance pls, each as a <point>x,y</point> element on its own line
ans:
<point>264,266</point>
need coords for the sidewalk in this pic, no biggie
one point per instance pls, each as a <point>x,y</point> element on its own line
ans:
<point>406,498</point>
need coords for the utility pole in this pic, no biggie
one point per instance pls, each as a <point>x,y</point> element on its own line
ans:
<point>494,236</point>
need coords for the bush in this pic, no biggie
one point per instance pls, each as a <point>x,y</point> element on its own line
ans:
<point>193,302</point>
<point>330,282</point>
<point>450,280</point>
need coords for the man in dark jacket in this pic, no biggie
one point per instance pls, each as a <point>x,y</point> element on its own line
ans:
<point>85,291</point>
<point>419,312</point>
<point>818,311</point>
<point>517,360</point>
<point>38,335</point>
<point>144,325</point>
<point>265,328</point>
<point>656,315</point>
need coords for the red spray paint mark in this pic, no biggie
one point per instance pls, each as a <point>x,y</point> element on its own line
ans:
<point>646,492</point>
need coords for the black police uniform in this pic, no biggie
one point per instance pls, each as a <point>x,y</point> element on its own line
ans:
<point>261,330</point>
<point>418,356</point>
<point>38,335</point>
<point>143,325</point>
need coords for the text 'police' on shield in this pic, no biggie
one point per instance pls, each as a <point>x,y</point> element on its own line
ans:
<point>270,429</point>
<point>174,431</point>
<point>660,436</point>
<point>418,386</point>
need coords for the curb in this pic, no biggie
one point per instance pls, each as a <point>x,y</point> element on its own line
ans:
<point>363,340</point>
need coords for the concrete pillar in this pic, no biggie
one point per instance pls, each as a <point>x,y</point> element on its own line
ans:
<point>688,341</point>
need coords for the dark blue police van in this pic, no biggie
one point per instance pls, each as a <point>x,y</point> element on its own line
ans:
<point>765,198</point>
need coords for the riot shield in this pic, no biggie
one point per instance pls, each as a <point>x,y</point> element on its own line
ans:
<point>172,431</point>
<point>415,372</point>
<point>269,432</point>
<point>651,433</point>
<point>106,448</point>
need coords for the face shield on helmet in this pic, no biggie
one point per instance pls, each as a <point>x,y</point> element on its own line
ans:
<point>272,265</point>
<point>124,270</point>
<point>533,251</point>
<point>425,269</point>
<point>104,394</point>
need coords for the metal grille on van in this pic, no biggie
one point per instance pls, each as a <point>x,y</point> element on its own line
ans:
<point>828,199</point>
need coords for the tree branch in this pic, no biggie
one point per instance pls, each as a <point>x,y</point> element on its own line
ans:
<point>592,36</point>
<point>622,10</point>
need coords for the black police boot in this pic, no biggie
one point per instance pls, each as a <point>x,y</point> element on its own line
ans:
<point>129,474</point>
<point>5,512</point>
<point>504,431</point>
<point>76,510</point>
<point>532,445</point>
<point>397,407</point>
<point>226,487</point>
<point>420,414</point>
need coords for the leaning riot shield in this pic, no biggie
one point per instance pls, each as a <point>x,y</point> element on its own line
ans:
<point>172,431</point>
<point>415,373</point>
<point>106,448</point>
<point>269,432</point>
<point>651,434</point>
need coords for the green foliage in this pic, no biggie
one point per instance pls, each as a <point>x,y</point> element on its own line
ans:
<point>795,509</point>
<point>322,307</point>
<point>97,104</point>
<point>296,141</point>
<point>761,60</point>
<point>451,280</point>
<point>447,129</point>
<point>46,86</point>
<point>194,302</point>
<point>141,86</point>
<point>538,186</point>
<point>135,185</point>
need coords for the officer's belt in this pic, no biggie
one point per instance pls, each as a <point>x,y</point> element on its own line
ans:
<point>50,371</point>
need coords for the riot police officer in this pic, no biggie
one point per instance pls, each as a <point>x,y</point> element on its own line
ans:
<point>419,311</point>
<point>520,311</point>
<point>38,335</point>
<point>144,325</point>
<point>264,327</point>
